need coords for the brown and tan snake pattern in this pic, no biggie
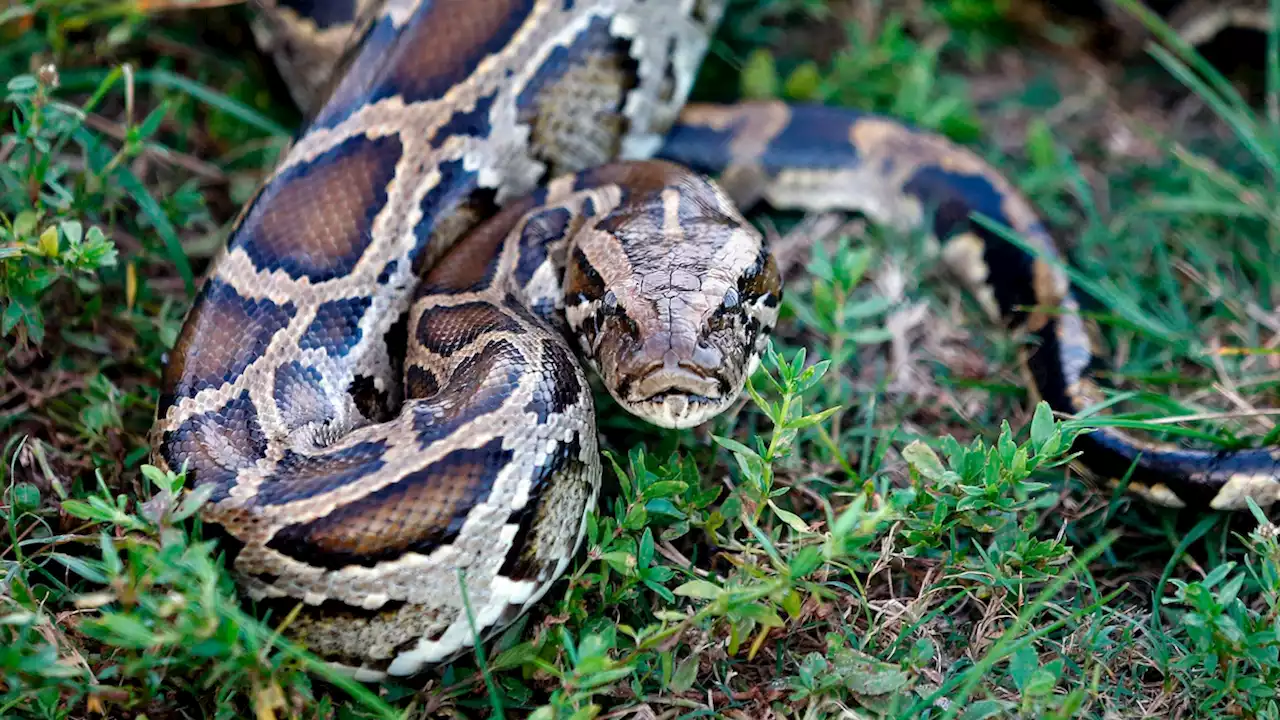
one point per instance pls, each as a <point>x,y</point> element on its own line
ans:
<point>380,377</point>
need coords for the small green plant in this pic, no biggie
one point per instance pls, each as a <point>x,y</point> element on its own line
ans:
<point>890,72</point>
<point>162,612</point>
<point>834,307</point>
<point>985,489</point>
<point>1224,645</point>
<point>793,379</point>
<point>747,607</point>
<point>39,244</point>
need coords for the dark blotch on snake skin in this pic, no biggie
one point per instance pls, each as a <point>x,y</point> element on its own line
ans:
<point>299,477</point>
<point>954,199</point>
<point>479,386</point>
<point>473,122</point>
<point>385,276</point>
<point>814,137</point>
<point>217,445</point>
<point>420,383</point>
<point>420,512</point>
<point>336,327</point>
<point>450,208</point>
<point>374,404</point>
<point>704,149</point>
<point>316,220</point>
<point>229,331</point>
<point>446,42</point>
<point>560,388</point>
<point>325,13</point>
<point>352,88</point>
<point>447,329</point>
<point>299,396</point>
<point>582,282</point>
<point>546,227</point>
<point>761,280</point>
<point>525,565</point>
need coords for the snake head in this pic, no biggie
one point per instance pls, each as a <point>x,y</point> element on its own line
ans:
<point>672,296</point>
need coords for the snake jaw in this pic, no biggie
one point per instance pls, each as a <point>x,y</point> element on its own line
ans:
<point>674,396</point>
<point>678,411</point>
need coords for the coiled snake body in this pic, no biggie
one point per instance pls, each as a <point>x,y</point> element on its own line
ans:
<point>378,377</point>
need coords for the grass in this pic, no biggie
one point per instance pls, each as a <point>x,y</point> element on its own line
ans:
<point>888,528</point>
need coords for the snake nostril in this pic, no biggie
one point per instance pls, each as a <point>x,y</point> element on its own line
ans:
<point>706,358</point>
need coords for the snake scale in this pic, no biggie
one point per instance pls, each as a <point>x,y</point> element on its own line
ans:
<point>381,377</point>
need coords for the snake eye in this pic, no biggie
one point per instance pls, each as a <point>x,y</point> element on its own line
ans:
<point>731,299</point>
<point>612,311</point>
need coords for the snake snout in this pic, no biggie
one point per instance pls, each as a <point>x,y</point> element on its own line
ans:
<point>670,391</point>
<point>671,379</point>
<point>665,366</point>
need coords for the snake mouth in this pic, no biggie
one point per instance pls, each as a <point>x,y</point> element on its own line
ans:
<point>674,397</point>
<point>671,380</point>
<point>677,410</point>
